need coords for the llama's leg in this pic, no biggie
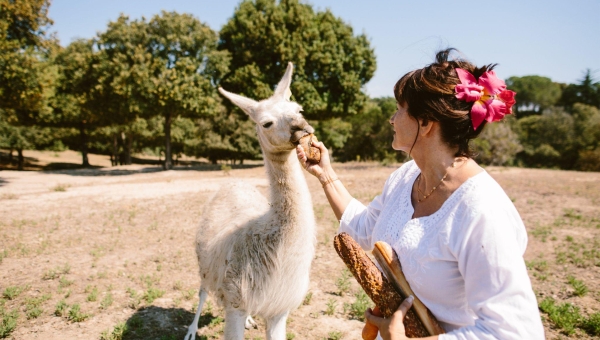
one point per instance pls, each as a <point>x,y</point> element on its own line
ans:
<point>234,324</point>
<point>276,327</point>
<point>250,323</point>
<point>193,329</point>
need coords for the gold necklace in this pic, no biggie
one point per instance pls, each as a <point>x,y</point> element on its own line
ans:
<point>435,187</point>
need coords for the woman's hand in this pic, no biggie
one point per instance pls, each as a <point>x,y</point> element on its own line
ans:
<point>391,328</point>
<point>319,170</point>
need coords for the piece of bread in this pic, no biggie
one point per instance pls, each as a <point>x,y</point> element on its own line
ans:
<point>313,154</point>
<point>377,287</point>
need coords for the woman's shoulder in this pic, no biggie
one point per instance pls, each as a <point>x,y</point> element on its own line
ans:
<point>404,171</point>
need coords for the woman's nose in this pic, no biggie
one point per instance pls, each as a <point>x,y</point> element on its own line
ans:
<point>391,121</point>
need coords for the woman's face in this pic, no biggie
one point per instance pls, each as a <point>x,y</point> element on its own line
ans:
<point>405,129</point>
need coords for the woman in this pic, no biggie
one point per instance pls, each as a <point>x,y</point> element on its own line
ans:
<point>458,236</point>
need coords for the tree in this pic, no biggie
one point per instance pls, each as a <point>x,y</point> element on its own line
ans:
<point>587,91</point>
<point>331,63</point>
<point>72,102</point>
<point>498,144</point>
<point>185,68</point>
<point>534,94</point>
<point>26,80</point>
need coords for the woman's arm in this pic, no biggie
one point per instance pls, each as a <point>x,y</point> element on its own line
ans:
<point>336,193</point>
<point>393,328</point>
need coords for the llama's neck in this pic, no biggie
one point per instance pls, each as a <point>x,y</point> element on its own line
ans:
<point>290,199</point>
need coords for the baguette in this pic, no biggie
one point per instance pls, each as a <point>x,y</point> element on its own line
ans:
<point>313,154</point>
<point>378,288</point>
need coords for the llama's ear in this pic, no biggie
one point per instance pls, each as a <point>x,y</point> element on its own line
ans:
<point>246,104</point>
<point>283,88</point>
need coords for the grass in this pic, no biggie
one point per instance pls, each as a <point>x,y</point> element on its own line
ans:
<point>567,317</point>
<point>60,187</point>
<point>33,307</point>
<point>307,299</point>
<point>118,332</point>
<point>592,324</point>
<point>334,335</point>
<point>343,283</point>
<point>580,289</point>
<point>55,273</point>
<point>152,294</point>
<point>359,306</point>
<point>8,321</point>
<point>107,301</point>
<point>76,315</point>
<point>331,304</point>
<point>12,292</point>
<point>61,308</point>
<point>92,293</point>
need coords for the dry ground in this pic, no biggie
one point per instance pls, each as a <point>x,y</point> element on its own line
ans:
<point>118,243</point>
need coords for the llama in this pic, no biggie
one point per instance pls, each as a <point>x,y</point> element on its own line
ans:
<point>255,255</point>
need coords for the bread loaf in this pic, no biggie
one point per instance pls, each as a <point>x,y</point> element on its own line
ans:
<point>313,154</point>
<point>377,287</point>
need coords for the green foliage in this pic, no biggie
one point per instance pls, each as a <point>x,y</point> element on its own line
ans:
<point>152,294</point>
<point>8,321</point>
<point>343,282</point>
<point>580,289</point>
<point>359,306</point>
<point>587,91</point>
<point>331,63</point>
<point>12,292</point>
<point>76,315</point>
<point>331,304</point>
<point>118,333</point>
<point>534,93</point>
<point>565,316</point>
<point>33,306</point>
<point>592,324</point>
<point>497,145</point>
<point>334,335</point>
<point>307,299</point>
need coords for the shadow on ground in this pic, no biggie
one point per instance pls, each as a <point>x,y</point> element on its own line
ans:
<point>157,323</point>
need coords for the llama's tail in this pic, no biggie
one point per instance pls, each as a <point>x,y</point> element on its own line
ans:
<point>193,329</point>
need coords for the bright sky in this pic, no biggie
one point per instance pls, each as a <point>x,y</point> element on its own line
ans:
<point>554,38</point>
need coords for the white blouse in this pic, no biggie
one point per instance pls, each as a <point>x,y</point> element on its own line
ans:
<point>464,262</point>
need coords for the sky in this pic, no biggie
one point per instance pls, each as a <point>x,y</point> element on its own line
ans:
<point>552,38</point>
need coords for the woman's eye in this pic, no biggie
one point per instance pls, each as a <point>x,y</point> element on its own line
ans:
<point>267,125</point>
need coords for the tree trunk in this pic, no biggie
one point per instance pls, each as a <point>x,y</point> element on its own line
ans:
<point>10,156</point>
<point>115,153</point>
<point>84,145</point>
<point>128,154</point>
<point>168,157</point>
<point>126,159</point>
<point>21,159</point>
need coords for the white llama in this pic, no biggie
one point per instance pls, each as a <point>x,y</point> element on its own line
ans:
<point>255,255</point>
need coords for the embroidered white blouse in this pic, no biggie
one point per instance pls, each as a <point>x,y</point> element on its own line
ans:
<point>465,261</point>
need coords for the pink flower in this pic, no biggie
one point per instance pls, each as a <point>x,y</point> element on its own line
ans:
<point>492,101</point>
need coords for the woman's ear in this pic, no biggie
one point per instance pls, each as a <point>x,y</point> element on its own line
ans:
<point>427,127</point>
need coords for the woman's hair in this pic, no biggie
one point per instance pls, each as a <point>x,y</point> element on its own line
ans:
<point>429,95</point>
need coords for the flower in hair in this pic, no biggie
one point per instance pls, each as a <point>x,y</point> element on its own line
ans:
<point>492,101</point>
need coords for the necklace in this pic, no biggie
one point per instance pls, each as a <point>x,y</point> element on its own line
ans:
<point>425,196</point>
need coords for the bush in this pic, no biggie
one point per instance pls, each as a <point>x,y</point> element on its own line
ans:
<point>497,145</point>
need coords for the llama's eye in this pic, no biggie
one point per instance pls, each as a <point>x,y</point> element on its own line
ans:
<point>267,125</point>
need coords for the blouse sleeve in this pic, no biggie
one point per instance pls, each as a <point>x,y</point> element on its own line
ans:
<point>489,252</point>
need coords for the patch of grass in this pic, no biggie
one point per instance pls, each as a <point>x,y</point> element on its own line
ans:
<point>580,289</point>
<point>539,265</point>
<point>136,300</point>
<point>331,304</point>
<point>152,294</point>
<point>307,299</point>
<point>565,316</point>
<point>92,293</point>
<point>3,255</point>
<point>13,292</point>
<point>76,315</point>
<point>64,282</point>
<point>343,283</point>
<point>55,273</point>
<point>188,294</point>
<point>61,308</point>
<point>569,238</point>
<point>60,187</point>
<point>118,332</point>
<point>290,336</point>
<point>541,232</point>
<point>592,324</point>
<point>8,321</point>
<point>359,306</point>
<point>215,321</point>
<point>33,306</point>
<point>107,301</point>
<point>334,335</point>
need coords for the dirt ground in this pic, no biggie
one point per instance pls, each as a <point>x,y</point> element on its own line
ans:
<point>118,242</point>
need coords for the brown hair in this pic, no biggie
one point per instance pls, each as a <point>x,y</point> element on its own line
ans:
<point>429,95</point>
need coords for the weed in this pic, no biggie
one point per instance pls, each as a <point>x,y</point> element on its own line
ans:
<point>225,168</point>
<point>61,308</point>
<point>76,315</point>
<point>12,292</point>
<point>569,238</point>
<point>33,306</point>
<point>290,336</point>
<point>541,232</point>
<point>539,265</point>
<point>307,299</point>
<point>3,255</point>
<point>216,321</point>
<point>55,273</point>
<point>592,324</point>
<point>178,285</point>
<point>152,294</point>
<point>565,316</point>
<point>343,283</point>
<point>572,214</point>
<point>92,293</point>
<point>135,298</point>
<point>359,306</point>
<point>334,335</point>
<point>107,301</point>
<point>578,285</point>
<point>63,282</point>
<point>60,187</point>
<point>8,321</point>
<point>188,294</point>
<point>331,304</point>
<point>118,332</point>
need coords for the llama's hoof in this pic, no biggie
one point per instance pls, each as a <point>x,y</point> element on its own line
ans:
<point>250,323</point>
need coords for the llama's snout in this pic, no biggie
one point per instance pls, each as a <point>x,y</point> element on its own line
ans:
<point>299,132</point>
